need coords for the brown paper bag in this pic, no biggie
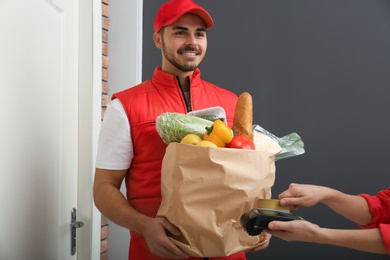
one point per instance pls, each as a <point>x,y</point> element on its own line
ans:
<point>205,190</point>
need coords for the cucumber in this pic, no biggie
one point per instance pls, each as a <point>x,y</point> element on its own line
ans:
<point>172,127</point>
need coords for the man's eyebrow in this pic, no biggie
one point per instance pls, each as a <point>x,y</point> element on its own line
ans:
<point>201,29</point>
<point>186,29</point>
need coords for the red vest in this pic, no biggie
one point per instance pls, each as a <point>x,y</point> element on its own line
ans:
<point>143,103</point>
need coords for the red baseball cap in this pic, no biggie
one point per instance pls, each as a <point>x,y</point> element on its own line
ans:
<point>174,9</point>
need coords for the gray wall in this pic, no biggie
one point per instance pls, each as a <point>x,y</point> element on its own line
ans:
<point>318,68</point>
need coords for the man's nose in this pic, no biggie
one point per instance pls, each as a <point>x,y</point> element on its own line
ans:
<point>192,41</point>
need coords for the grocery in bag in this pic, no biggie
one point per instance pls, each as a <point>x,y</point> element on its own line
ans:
<point>206,190</point>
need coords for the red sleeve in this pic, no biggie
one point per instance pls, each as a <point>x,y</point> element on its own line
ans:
<point>380,210</point>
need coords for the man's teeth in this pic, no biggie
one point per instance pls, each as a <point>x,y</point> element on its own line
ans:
<point>190,53</point>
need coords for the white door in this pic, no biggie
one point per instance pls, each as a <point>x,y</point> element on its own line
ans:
<point>38,127</point>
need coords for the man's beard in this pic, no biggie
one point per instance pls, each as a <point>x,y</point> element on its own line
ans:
<point>182,67</point>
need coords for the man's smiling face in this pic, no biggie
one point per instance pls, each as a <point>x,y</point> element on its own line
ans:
<point>183,44</point>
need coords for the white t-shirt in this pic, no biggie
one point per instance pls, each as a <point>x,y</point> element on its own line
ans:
<point>115,147</point>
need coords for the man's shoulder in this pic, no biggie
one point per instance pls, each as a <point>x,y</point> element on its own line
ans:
<point>212,87</point>
<point>141,87</point>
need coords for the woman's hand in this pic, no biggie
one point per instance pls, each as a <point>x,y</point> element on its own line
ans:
<point>301,195</point>
<point>295,230</point>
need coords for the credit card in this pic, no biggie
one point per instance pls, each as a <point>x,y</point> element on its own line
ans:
<point>272,204</point>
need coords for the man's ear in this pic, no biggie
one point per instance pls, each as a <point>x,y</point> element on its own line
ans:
<point>157,40</point>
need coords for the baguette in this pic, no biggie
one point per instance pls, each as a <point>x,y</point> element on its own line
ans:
<point>243,116</point>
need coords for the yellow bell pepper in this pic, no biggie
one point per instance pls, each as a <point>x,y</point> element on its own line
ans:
<point>218,133</point>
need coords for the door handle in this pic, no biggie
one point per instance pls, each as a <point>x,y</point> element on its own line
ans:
<point>73,225</point>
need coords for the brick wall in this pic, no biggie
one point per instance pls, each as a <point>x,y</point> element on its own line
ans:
<point>106,25</point>
<point>105,100</point>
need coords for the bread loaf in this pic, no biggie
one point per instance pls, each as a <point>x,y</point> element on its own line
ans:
<point>265,143</point>
<point>243,116</point>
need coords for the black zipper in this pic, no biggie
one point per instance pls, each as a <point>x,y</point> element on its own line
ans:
<point>188,102</point>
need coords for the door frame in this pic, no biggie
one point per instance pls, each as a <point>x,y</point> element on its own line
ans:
<point>90,75</point>
<point>124,70</point>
